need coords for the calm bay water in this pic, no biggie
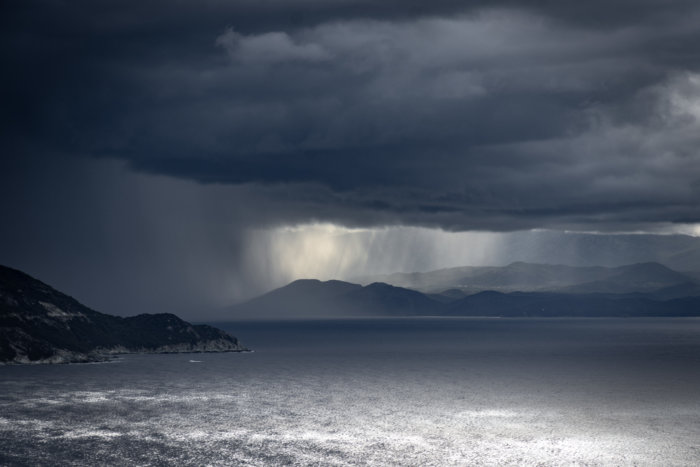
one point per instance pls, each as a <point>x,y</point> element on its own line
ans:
<point>375,392</point>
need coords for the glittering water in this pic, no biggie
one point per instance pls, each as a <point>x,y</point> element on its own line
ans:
<point>375,392</point>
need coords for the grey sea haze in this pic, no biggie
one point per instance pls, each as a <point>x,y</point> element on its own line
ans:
<point>449,391</point>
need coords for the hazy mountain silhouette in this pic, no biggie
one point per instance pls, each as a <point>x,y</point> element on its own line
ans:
<point>310,298</point>
<point>41,324</point>
<point>301,298</point>
<point>644,289</point>
<point>384,299</point>
<point>686,289</point>
<point>447,296</point>
<point>678,252</point>
<point>527,277</point>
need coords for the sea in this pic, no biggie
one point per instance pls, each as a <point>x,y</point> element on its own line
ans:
<point>380,392</point>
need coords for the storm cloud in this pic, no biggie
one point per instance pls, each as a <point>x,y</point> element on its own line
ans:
<point>484,115</point>
<point>182,155</point>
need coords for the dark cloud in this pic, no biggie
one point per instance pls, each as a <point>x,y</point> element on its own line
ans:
<point>153,151</point>
<point>497,115</point>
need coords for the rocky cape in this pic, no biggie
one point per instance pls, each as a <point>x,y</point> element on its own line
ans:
<point>39,324</point>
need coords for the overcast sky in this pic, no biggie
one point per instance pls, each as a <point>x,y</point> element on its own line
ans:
<point>180,155</point>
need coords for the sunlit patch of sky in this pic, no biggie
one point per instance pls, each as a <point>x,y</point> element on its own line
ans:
<point>329,251</point>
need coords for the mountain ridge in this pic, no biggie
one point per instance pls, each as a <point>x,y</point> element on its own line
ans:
<point>642,289</point>
<point>519,276</point>
<point>311,298</point>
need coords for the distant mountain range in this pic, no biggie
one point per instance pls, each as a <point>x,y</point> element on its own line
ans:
<point>678,252</point>
<point>648,278</point>
<point>519,289</point>
<point>39,324</point>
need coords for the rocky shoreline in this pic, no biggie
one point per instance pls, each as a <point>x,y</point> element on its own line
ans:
<point>39,324</point>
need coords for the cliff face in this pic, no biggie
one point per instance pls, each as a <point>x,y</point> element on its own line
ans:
<point>39,324</point>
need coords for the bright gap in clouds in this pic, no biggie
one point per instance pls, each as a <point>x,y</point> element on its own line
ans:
<point>688,229</point>
<point>327,251</point>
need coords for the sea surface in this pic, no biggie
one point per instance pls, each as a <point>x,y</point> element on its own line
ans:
<point>375,392</point>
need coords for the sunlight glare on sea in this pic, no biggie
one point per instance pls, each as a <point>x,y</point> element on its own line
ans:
<point>375,392</point>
